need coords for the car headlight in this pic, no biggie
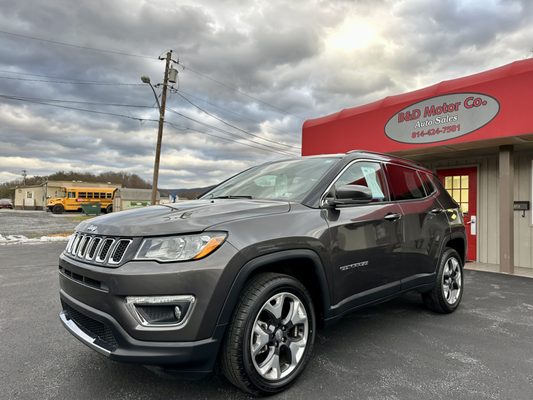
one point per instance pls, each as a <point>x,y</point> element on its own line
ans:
<point>180,248</point>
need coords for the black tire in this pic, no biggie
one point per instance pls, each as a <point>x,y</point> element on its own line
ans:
<point>439,299</point>
<point>236,357</point>
<point>58,209</point>
<point>109,209</point>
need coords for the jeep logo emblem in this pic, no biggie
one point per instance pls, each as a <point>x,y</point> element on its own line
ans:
<point>92,228</point>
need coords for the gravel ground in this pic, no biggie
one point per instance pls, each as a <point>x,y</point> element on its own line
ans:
<point>396,350</point>
<point>34,224</point>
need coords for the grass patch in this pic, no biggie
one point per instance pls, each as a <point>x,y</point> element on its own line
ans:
<point>60,234</point>
<point>81,218</point>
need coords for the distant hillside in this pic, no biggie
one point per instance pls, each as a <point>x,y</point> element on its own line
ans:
<point>186,193</point>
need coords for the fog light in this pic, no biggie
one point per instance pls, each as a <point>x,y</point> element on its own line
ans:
<point>161,311</point>
<point>177,312</point>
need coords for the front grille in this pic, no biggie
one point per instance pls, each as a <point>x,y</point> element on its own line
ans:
<point>105,249</point>
<point>120,249</point>
<point>93,248</point>
<point>99,249</point>
<point>92,327</point>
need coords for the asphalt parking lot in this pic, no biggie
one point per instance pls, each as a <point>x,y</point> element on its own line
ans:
<point>396,350</point>
<point>34,224</point>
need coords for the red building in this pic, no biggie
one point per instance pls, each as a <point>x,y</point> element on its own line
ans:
<point>475,132</point>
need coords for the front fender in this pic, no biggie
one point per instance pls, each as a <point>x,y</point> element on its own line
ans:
<point>257,263</point>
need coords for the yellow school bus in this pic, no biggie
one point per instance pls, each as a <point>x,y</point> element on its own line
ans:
<point>73,197</point>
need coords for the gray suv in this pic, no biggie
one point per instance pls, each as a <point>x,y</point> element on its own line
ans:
<point>242,276</point>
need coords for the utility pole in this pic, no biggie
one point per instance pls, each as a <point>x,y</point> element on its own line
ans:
<point>24,174</point>
<point>160,130</point>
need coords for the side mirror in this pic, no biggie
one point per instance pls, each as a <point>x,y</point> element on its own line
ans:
<point>350,194</point>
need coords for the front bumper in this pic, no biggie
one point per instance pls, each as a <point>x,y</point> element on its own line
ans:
<point>95,311</point>
<point>103,334</point>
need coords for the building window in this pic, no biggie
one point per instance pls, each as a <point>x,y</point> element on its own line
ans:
<point>457,187</point>
<point>29,195</point>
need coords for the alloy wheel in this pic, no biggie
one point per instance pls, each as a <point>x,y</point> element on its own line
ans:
<point>451,280</point>
<point>279,336</point>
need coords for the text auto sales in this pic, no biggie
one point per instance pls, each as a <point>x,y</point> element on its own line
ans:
<point>435,112</point>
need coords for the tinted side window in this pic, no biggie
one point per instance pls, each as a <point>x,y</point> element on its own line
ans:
<point>405,183</point>
<point>367,174</point>
<point>428,183</point>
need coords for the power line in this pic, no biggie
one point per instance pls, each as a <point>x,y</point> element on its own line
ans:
<point>123,53</point>
<point>231,140</point>
<point>233,126</point>
<point>142,120</point>
<point>57,42</point>
<point>236,89</point>
<point>286,152</point>
<point>75,82</point>
<point>57,79</point>
<point>69,101</point>
<point>76,108</point>
<point>101,83</point>
<point>240,116</point>
<point>48,101</point>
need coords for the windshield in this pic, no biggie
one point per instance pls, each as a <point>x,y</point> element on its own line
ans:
<point>283,180</point>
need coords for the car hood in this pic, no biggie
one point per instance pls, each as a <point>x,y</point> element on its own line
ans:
<point>177,218</point>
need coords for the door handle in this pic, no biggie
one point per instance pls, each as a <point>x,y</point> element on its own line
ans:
<point>392,217</point>
<point>436,211</point>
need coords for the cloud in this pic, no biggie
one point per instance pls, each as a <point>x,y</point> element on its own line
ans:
<point>300,59</point>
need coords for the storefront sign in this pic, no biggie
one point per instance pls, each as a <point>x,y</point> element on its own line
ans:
<point>442,118</point>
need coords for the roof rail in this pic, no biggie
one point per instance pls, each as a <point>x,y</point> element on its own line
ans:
<point>407,160</point>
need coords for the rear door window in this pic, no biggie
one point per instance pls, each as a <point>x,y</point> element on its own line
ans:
<point>405,183</point>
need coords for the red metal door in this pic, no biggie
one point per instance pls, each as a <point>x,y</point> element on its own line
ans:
<point>461,183</point>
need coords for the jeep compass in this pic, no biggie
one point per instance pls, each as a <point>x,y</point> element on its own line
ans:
<point>241,277</point>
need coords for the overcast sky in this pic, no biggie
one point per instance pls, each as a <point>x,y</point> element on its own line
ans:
<point>261,66</point>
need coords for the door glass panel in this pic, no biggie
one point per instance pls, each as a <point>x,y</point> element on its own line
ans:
<point>464,195</point>
<point>405,183</point>
<point>464,207</point>
<point>456,194</point>
<point>448,182</point>
<point>456,182</point>
<point>367,174</point>
<point>464,182</point>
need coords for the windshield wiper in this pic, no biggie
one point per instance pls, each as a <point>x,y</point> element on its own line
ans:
<point>232,197</point>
